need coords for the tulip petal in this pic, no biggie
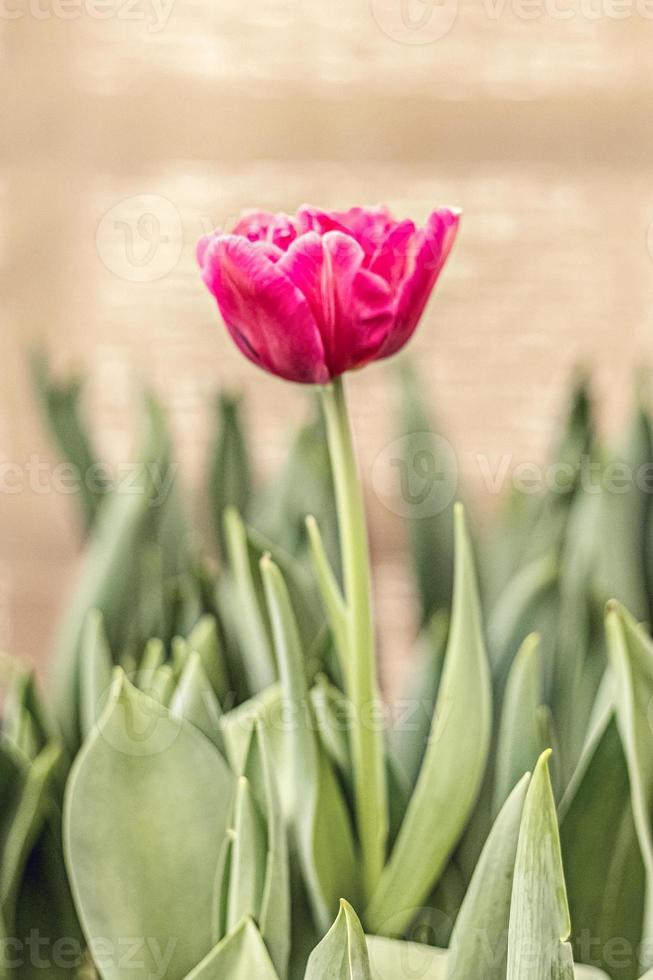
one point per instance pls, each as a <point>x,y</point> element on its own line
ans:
<point>427,253</point>
<point>279,229</point>
<point>351,306</point>
<point>266,314</point>
<point>391,255</point>
<point>368,225</point>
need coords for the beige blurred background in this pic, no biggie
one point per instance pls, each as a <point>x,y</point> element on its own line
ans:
<point>129,129</point>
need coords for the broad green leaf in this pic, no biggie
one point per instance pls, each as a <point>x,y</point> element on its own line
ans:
<point>160,795</point>
<point>479,944</point>
<point>631,657</point>
<point>342,954</point>
<point>320,819</point>
<point>394,960</point>
<point>454,763</point>
<point>239,956</point>
<point>539,914</point>
<point>95,672</point>
<point>603,863</point>
<point>519,740</point>
<point>194,699</point>
<point>230,478</point>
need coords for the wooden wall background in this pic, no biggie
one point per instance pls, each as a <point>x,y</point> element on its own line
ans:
<point>536,121</point>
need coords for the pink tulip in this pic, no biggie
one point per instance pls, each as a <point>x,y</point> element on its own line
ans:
<point>312,296</point>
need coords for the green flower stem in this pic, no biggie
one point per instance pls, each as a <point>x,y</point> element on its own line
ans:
<point>366,734</point>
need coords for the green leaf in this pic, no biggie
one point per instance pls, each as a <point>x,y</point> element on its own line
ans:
<point>528,604</point>
<point>95,670</point>
<point>304,486</point>
<point>268,707</point>
<point>603,863</point>
<point>240,956</point>
<point>333,717</point>
<point>620,548</point>
<point>631,657</point>
<point>394,960</point>
<point>204,639</point>
<point>411,736</point>
<point>426,468</point>
<point>60,405</point>
<point>194,699</point>
<point>19,834</point>
<point>274,916</point>
<point>45,910</point>
<point>160,795</point>
<point>230,478</point>
<point>519,740</point>
<point>539,913</point>
<point>248,858</point>
<point>110,574</point>
<point>479,944</point>
<point>342,954</point>
<point>162,686</point>
<point>154,656</point>
<point>453,767</point>
<point>330,591</point>
<point>247,616</point>
<point>320,818</point>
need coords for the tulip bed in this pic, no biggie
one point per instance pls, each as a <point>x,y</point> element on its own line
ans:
<point>199,743</point>
<point>214,787</point>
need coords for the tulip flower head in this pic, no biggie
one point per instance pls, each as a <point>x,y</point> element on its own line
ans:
<point>312,296</point>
